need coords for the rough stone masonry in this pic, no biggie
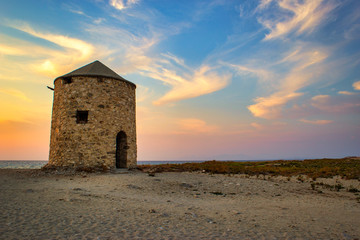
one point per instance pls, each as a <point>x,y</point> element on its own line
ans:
<point>93,120</point>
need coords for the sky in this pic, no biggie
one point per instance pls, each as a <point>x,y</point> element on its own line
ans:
<point>216,79</point>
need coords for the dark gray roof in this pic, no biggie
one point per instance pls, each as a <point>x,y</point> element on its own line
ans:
<point>95,69</point>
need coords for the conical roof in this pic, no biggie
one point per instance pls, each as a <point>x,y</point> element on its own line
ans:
<point>95,69</point>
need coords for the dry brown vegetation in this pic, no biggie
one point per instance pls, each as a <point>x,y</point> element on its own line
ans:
<point>348,168</point>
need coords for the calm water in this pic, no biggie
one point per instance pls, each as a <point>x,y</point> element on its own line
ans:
<point>39,164</point>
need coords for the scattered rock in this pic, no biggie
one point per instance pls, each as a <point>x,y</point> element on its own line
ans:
<point>87,195</point>
<point>186,185</point>
<point>217,193</point>
<point>134,186</point>
<point>210,221</point>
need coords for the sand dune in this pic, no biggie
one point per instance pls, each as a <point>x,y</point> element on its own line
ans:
<point>134,205</point>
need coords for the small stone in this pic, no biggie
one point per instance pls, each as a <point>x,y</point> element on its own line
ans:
<point>186,185</point>
<point>217,193</point>
<point>134,186</point>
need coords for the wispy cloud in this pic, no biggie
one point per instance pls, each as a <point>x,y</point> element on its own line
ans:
<point>195,126</point>
<point>356,85</point>
<point>263,4</point>
<point>73,8</point>
<point>201,81</point>
<point>9,50</point>
<point>320,98</point>
<point>15,93</point>
<point>301,74</point>
<point>122,4</point>
<point>336,104</point>
<point>296,17</point>
<point>262,74</point>
<point>271,107</point>
<point>316,122</point>
<point>142,93</point>
<point>50,60</point>
<point>257,126</point>
<point>346,93</point>
<point>136,52</point>
<point>83,49</point>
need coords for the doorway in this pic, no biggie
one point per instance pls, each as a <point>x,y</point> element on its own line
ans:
<point>121,150</point>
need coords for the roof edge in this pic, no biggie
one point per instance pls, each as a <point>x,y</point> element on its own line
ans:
<point>95,69</point>
<point>80,75</point>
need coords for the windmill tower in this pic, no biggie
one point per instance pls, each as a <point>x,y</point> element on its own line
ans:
<point>93,119</point>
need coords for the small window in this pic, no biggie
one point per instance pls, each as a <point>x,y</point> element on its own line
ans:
<point>82,116</point>
<point>67,80</point>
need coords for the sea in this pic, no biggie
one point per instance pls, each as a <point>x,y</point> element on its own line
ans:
<point>17,164</point>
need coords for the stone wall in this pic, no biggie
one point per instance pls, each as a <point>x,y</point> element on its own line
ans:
<point>111,108</point>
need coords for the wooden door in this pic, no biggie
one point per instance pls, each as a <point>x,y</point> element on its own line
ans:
<point>121,150</point>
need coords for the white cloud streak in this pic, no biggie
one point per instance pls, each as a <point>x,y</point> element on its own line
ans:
<point>123,4</point>
<point>298,16</point>
<point>49,61</point>
<point>203,81</point>
<point>301,75</point>
<point>83,49</point>
<point>242,70</point>
<point>136,55</point>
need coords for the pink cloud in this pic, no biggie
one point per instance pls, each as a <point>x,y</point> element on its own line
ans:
<point>346,93</point>
<point>316,122</point>
<point>356,85</point>
<point>195,126</point>
<point>336,104</point>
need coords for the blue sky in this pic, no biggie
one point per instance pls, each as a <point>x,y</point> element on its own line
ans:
<point>217,79</point>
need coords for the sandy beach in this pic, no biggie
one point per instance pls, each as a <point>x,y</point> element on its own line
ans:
<point>134,205</point>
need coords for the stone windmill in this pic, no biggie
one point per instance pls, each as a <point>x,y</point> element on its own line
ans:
<point>93,120</point>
